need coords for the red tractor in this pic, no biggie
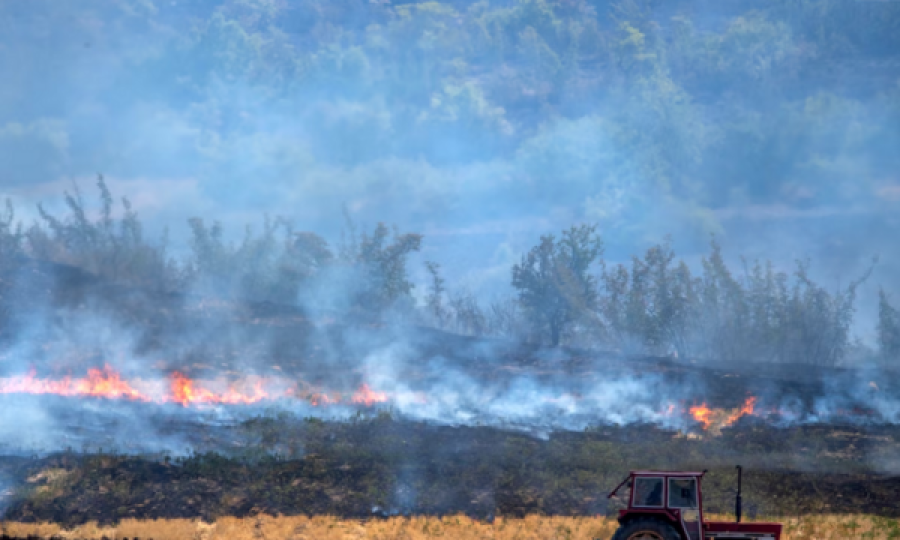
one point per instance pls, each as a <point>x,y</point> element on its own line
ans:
<point>669,506</point>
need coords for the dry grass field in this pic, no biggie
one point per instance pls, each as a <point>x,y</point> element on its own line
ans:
<point>825,527</point>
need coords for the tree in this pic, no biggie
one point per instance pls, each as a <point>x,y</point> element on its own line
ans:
<point>468,317</point>
<point>435,299</point>
<point>10,259</point>
<point>888,328</point>
<point>381,259</point>
<point>262,267</point>
<point>554,283</point>
<point>822,320</point>
<point>309,253</point>
<point>723,309</point>
<point>504,318</point>
<point>109,247</point>
<point>673,298</point>
<point>10,236</point>
<point>653,307</point>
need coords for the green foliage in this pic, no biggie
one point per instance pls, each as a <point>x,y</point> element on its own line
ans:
<point>568,158</point>
<point>11,237</point>
<point>267,267</point>
<point>668,135</point>
<point>654,306</point>
<point>111,247</point>
<point>506,318</point>
<point>468,317</point>
<point>760,316</point>
<point>753,49</point>
<point>466,106</point>
<point>478,72</point>
<point>888,328</point>
<point>308,255</point>
<point>753,52</point>
<point>631,51</point>
<point>672,300</point>
<point>842,29</point>
<point>609,104</point>
<point>543,64</point>
<point>554,282</point>
<point>657,305</point>
<point>380,258</point>
<point>278,264</point>
<point>227,49</point>
<point>436,290</point>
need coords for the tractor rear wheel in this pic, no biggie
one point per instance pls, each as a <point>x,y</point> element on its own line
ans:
<point>646,529</point>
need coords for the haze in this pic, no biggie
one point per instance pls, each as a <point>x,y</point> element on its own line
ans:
<point>481,125</point>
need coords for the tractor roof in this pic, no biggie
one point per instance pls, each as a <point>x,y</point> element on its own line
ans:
<point>667,473</point>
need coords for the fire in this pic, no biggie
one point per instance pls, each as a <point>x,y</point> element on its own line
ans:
<point>107,383</point>
<point>184,392</point>
<point>366,396</point>
<point>716,419</point>
<point>322,398</point>
<point>98,383</point>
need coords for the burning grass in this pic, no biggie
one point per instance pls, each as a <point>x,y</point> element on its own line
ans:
<point>107,383</point>
<point>819,527</point>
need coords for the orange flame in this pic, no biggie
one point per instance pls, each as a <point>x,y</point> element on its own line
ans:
<point>98,383</point>
<point>720,418</point>
<point>184,392</point>
<point>366,396</point>
<point>702,414</point>
<point>324,399</point>
<point>107,383</point>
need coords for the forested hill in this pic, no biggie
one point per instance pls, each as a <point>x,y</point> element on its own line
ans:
<point>683,82</point>
<point>478,126</point>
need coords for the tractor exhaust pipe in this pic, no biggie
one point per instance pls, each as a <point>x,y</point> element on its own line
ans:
<point>737,502</point>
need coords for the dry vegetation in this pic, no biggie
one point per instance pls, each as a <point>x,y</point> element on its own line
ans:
<point>823,527</point>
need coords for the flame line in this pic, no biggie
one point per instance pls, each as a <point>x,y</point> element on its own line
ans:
<point>107,383</point>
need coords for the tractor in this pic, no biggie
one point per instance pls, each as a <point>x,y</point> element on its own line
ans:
<point>669,506</point>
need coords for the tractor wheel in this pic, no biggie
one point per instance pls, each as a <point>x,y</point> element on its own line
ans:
<point>646,529</point>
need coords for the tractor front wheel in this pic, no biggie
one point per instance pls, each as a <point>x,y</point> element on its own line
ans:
<point>646,529</point>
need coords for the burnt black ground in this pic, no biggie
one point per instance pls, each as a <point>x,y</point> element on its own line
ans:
<point>381,466</point>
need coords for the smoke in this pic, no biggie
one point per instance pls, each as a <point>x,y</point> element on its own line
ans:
<point>228,111</point>
<point>414,373</point>
<point>212,115</point>
<point>438,390</point>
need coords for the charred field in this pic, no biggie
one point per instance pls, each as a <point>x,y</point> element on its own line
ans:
<point>382,467</point>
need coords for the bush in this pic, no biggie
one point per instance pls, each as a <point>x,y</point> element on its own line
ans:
<point>10,257</point>
<point>760,316</point>
<point>110,247</point>
<point>888,328</point>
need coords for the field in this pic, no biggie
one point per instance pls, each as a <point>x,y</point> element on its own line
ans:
<point>383,467</point>
<point>820,527</point>
<point>516,440</point>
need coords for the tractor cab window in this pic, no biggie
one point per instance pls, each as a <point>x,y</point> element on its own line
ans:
<point>682,493</point>
<point>648,491</point>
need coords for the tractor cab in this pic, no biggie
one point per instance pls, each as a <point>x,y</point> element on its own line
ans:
<point>667,505</point>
